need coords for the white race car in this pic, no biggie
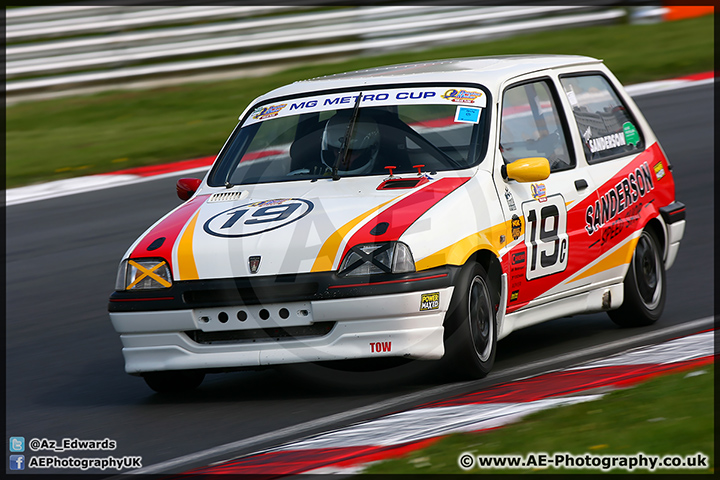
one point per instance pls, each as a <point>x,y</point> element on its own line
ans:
<point>422,211</point>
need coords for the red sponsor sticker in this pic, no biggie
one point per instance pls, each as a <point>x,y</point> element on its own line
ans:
<point>518,258</point>
<point>378,347</point>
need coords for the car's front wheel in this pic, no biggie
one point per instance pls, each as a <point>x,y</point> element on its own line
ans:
<point>645,287</point>
<point>471,327</point>
<point>174,381</point>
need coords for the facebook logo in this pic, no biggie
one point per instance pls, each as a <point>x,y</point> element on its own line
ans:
<point>17,444</point>
<point>17,462</point>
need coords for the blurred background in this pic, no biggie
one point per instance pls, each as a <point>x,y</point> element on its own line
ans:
<point>55,50</point>
<point>220,57</point>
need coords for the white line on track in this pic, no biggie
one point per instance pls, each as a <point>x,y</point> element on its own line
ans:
<point>90,183</point>
<point>640,89</point>
<point>71,186</point>
<point>416,397</point>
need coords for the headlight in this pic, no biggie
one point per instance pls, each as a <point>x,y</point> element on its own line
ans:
<point>143,274</point>
<point>374,258</point>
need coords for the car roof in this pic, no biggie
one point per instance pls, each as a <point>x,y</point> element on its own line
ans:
<point>489,71</point>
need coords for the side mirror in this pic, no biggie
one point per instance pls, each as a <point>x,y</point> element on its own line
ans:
<point>186,187</point>
<point>532,169</point>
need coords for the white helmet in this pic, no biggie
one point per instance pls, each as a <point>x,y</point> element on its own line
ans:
<point>363,145</point>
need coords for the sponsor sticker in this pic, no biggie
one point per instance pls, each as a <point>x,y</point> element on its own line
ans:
<point>632,137</point>
<point>659,170</point>
<point>269,203</point>
<point>518,258</point>
<point>538,192</point>
<point>268,112</point>
<point>379,347</point>
<point>627,192</point>
<point>514,295</point>
<point>467,114</point>
<point>429,301</point>
<point>510,199</point>
<point>607,142</point>
<point>461,95</point>
<point>516,227</point>
<point>426,95</point>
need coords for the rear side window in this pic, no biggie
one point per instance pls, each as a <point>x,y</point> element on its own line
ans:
<point>606,125</point>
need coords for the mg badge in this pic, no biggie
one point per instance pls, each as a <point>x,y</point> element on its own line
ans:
<point>254,263</point>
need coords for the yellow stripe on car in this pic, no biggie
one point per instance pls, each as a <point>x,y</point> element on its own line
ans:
<point>459,252</point>
<point>187,270</point>
<point>326,257</point>
<point>621,256</point>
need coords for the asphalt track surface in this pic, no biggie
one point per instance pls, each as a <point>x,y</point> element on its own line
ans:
<point>64,367</point>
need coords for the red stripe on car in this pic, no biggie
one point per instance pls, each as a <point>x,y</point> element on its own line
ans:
<point>404,213</point>
<point>168,229</point>
<point>662,193</point>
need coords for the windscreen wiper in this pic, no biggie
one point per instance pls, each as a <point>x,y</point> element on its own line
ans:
<point>345,145</point>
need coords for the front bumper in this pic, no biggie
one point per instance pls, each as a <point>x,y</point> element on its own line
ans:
<point>273,289</point>
<point>208,338</point>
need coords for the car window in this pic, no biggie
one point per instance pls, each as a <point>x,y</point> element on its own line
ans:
<point>437,127</point>
<point>606,126</point>
<point>436,124</point>
<point>531,126</point>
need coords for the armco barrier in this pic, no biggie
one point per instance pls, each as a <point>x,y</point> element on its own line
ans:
<point>60,48</point>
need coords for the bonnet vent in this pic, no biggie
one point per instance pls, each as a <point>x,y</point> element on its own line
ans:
<point>399,183</point>
<point>226,196</point>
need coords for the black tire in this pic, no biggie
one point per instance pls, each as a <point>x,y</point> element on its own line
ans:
<point>471,325</point>
<point>174,381</point>
<point>644,285</point>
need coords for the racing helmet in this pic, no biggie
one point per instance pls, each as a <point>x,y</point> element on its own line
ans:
<point>363,145</point>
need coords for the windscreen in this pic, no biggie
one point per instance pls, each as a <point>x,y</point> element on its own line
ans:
<point>351,134</point>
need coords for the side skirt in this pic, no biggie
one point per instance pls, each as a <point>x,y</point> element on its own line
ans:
<point>607,297</point>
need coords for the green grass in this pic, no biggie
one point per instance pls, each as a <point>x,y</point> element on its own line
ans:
<point>60,138</point>
<point>668,415</point>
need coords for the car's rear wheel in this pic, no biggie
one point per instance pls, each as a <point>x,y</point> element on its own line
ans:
<point>471,327</point>
<point>174,381</point>
<point>645,286</point>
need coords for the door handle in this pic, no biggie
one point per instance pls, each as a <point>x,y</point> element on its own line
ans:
<point>580,184</point>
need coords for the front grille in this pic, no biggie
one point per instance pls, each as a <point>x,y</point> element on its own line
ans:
<point>319,329</point>
<point>252,295</point>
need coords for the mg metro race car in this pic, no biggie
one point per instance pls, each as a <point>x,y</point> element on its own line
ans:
<point>423,211</point>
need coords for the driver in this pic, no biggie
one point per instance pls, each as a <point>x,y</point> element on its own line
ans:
<point>363,145</point>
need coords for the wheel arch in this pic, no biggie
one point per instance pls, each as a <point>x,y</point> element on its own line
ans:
<point>489,261</point>
<point>657,226</point>
<point>644,288</point>
<point>460,338</point>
